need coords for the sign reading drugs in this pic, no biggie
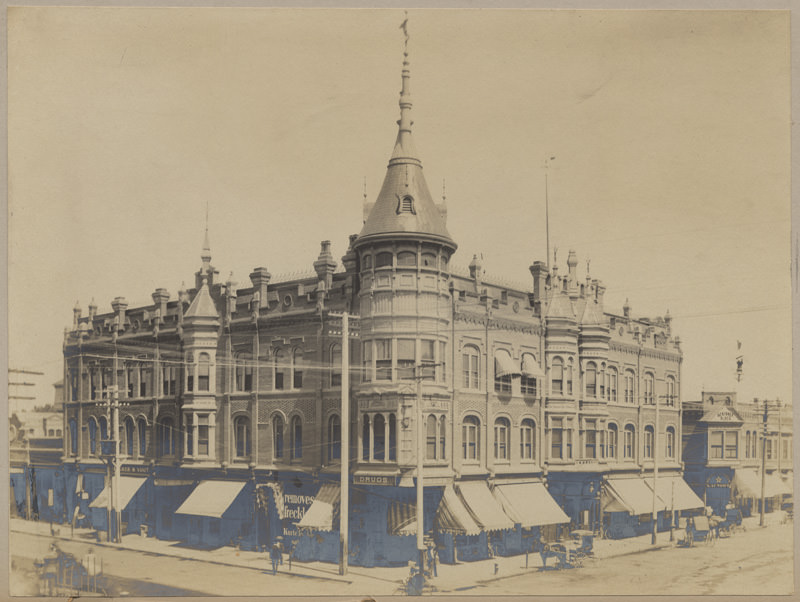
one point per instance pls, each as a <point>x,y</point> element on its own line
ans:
<point>382,480</point>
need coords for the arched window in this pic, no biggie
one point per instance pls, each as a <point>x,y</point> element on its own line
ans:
<point>130,377</point>
<point>281,370</point>
<point>528,379</point>
<point>365,438</point>
<point>334,438</point>
<point>669,447</point>
<point>393,437</point>
<point>336,365</point>
<point>747,445</point>
<point>431,432</point>
<point>649,385</point>
<point>103,424</point>
<point>503,369</point>
<point>379,437</point>
<point>502,433</point>
<point>129,435</point>
<point>297,369</point>
<point>167,436</point>
<point>442,436</point>
<point>406,259</point>
<point>754,454</point>
<point>244,372</point>
<point>671,396</point>
<point>189,372</point>
<point>297,438</point>
<point>557,376</point>
<point>73,436</point>
<point>611,377</point>
<point>141,426</point>
<point>203,372</point>
<point>367,262</point>
<point>471,367</point>
<point>568,377</point>
<point>612,441</point>
<point>277,436</point>
<point>429,260</point>
<point>591,379</point>
<point>383,260</point>
<point>92,436</point>
<point>648,442</point>
<point>629,444</point>
<point>470,438</point>
<point>630,391</point>
<point>527,439</point>
<point>241,436</point>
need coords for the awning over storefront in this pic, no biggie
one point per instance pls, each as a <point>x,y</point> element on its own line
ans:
<point>483,506</point>
<point>748,482</point>
<point>402,518</point>
<point>530,368</point>
<point>211,498</point>
<point>676,493</point>
<point>529,504</point>
<point>323,514</point>
<point>503,364</point>
<point>128,486</point>
<point>453,517</point>
<point>630,495</point>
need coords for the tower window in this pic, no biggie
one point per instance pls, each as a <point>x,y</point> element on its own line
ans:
<point>406,205</point>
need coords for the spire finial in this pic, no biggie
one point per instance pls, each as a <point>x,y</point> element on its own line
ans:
<point>206,254</point>
<point>405,92</point>
<point>444,196</point>
<point>365,189</point>
<point>404,27</point>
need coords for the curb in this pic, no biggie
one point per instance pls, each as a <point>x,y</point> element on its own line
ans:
<point>105,544</point>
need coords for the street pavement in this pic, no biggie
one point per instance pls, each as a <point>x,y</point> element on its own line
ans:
<point>240,572</point>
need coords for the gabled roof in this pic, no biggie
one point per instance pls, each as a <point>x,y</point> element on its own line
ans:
<point>560,307</point>
<point>592,314</point>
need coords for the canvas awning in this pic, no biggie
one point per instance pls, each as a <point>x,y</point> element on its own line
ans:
<point>748,482</point>
<point>529,504</point>
<point>777,485</point>
<point>453,517</point>
<point>402,518</point>
<point>676,493</point>
<point>211,498</point>
<point>323,514</point>
<point>630,495</point>
<point>128,486</point>
<point>483,506</point>
<point>503,364</point>
<point>530,368</point>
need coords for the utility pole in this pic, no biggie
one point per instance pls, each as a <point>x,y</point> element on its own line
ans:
<point>655,475</point>
<point>763,464</point>
<point>420,449</point>
<point>112,508</point>
<point>344,525</point>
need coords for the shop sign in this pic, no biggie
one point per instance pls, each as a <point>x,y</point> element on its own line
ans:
<point>133,469</point>
<point>294,508</point>
<point>717,481</point>
<point>381,480</point>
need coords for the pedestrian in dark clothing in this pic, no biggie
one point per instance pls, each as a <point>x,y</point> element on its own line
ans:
<point>275,556</point>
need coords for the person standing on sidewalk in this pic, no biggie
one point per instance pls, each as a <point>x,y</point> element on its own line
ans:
<point>275,556</point>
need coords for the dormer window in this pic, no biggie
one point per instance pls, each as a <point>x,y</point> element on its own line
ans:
<point>406,204</point>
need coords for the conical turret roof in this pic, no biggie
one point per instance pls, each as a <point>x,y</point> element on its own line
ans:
<point>404,207</point>
<point>202,305</point>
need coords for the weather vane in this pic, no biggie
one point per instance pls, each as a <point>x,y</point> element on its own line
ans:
<point>404,27</point>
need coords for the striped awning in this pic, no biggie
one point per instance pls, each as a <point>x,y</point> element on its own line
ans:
<point>323,514</point>
<point>402,518</point>
<point>529,504</point>
<point>631,495</point>
<point>483,506</point>
<point>748,482</point>
<point>503,364</point>
<point>128,486</point>
<point>530,368</point>
<point>453,517</point>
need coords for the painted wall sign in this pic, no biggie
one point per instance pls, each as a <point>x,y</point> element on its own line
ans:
<point>717,482</point>
<point>133,469</point>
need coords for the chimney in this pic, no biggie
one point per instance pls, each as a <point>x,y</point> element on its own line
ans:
<point>476,271</point>
<point>325,265</point>
<point>626,309</point>
<point>230,294</point>
<point>92,310</point>
<point>539,273</point>
<point>76,315</point>
<point>160,298</point>
<point>119,305</point>
<point>260,278</point>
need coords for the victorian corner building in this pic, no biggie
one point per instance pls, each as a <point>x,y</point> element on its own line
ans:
<point>541,409</point>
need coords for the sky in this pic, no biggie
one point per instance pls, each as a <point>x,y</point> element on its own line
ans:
<point>670,132</point>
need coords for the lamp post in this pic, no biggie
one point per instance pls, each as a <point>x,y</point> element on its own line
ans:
<point>763,463</point>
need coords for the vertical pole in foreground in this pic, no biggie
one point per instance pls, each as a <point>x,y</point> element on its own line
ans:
<point>420,450</point>
<point>345,447</point>
<point>763,464</point>
<point>655,476</point>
